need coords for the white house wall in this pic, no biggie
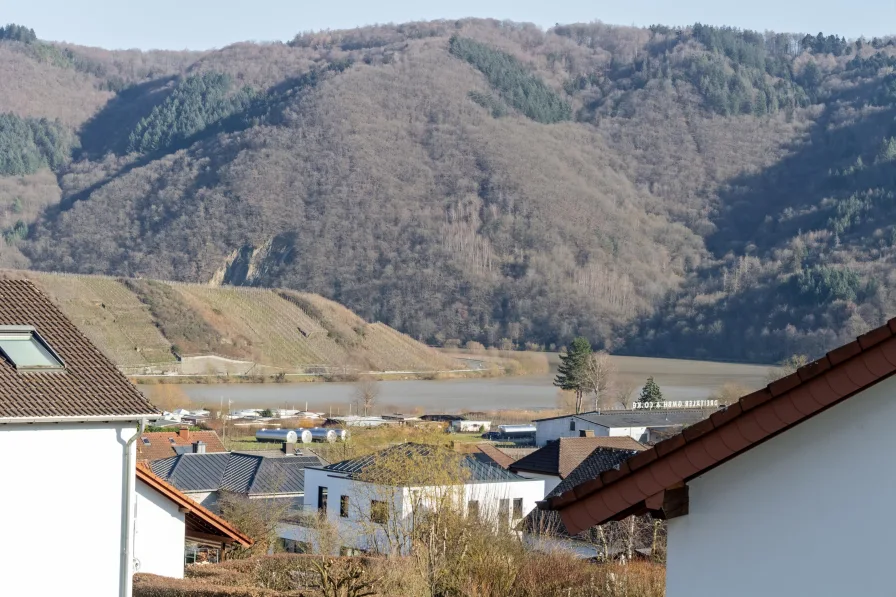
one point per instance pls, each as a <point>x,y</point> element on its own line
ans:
<point>62,507</point>
<point>633,432</point>
<point>159,533</point>
<point>550,481</point>
<point>356,530</point>
<point>805,513</point>
<point>552,429</point>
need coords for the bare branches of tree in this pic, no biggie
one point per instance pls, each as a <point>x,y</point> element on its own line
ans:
<point>599,378</point>
<point>367,390</point>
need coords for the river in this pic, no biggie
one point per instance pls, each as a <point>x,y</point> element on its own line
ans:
<point>678,379</point>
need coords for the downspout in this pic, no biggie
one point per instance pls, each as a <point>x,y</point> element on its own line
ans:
<point>126,585</point>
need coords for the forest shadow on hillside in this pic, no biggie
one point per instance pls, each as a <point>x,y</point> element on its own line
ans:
<point>758,211</point>
<point>103,133</point>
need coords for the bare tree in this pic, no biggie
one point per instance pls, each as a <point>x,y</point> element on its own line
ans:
<point>624,388</point>
<point>367,390</point>
<point>600,375</point>
<point>730,392</point>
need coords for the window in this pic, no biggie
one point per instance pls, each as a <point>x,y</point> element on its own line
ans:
<point>145,441</point>
<point>503,512</point>
<point>572,425</point>
<point>343,506</point>
<point>290,546</point>
<point>195,553</point>
<point>517,507</point>
<point>322,499</point>
<point>25,349</point>
<point>379,511</point>
<point>473,509</point>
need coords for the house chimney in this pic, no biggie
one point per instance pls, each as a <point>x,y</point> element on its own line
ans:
<point>184,433</point>
<point>199,447</point>
<point>289,448</point>
<point>586,433</point>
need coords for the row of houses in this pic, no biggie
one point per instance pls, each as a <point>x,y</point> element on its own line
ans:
<point>789,484</point>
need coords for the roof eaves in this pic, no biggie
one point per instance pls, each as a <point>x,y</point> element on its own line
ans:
<point>78,419</point>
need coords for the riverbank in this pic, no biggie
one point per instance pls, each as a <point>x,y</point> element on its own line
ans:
<point>302,378</point>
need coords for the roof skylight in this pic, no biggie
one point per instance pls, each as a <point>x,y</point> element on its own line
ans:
<point>26,350</point>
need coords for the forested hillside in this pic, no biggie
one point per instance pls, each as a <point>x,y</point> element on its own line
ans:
<point>690,191</point>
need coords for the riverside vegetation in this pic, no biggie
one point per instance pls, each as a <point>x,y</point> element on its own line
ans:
<point>687,191</point>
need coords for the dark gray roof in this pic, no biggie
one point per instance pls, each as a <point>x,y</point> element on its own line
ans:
<point>480,472</point>
<point>240,473</point>
<point>641,418</point>
<point>600,460</point>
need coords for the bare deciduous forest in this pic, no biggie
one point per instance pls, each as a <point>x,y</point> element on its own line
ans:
<point>693,192</point>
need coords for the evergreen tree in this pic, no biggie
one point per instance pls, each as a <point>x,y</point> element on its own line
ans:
<point>650,393</point>
<point>572,373</point>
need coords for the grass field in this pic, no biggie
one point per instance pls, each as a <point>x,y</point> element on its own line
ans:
<point>145,324</point>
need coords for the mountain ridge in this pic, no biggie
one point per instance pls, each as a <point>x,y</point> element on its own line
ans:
<point>489,181</point>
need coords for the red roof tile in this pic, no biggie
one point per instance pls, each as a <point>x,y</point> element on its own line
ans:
<point>756,417</point>
<point>161,443</point>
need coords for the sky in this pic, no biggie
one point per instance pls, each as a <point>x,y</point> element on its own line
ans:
<point>206,24</point>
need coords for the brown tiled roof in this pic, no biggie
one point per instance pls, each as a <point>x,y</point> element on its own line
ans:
<point>560,457</point>
<point>90,385</point>
<point>497,456</point>
<point>198,518</point>
<point>161,444</point>
<point>835,377</point>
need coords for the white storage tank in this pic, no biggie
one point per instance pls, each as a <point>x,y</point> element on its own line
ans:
<point>304,435</point>
<point>287,436</point>
<point>341,434</point>
<point>321,434</point>
<point>516,429</point>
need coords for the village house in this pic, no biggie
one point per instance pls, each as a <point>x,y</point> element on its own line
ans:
<point>500,456</point>
<point>369,510</point>
<point>544,529</point>
<point>263,476</point>
<point>68,419</point>
<point>559,458</point>
<point>641,425</point>
<point>773,485</point>
<point>164,444</point>
<point>171,530</point>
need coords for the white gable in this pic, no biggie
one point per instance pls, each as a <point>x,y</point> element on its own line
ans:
<point>805,513</point>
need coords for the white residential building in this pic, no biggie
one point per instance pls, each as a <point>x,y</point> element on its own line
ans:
<point>68,420</point>
<point>361,511</point>
<point>636,424</point>
<point>786,492</point>
<point>464,426</point>
<point>171,530</point>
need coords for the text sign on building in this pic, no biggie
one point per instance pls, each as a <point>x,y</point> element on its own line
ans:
<point>676,404</point>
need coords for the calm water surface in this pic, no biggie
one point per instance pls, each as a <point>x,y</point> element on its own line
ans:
<point>679,380</point>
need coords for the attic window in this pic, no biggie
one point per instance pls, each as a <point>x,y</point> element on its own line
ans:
<point>145,441</point>
<point>22,346</point>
